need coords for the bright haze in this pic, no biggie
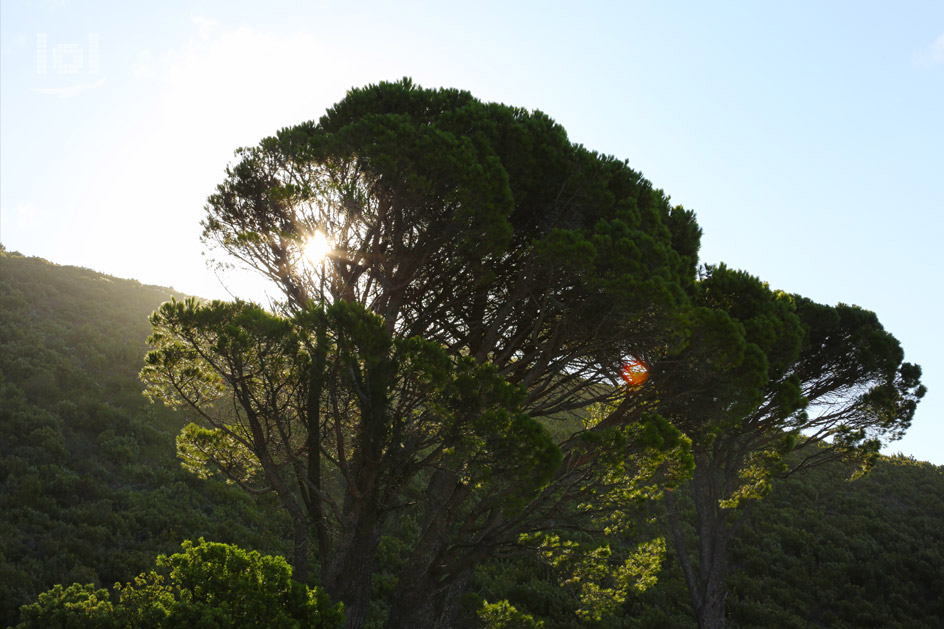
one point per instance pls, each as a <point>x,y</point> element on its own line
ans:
<point>807,136</point>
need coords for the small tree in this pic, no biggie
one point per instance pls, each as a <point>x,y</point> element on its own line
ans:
<point>206,585</point>
<point>765,375</point>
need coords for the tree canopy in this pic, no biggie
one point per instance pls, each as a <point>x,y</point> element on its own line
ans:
<point>477,226</point>
<point>480,283</point>
<point>764,375</point>
<point>90,491</point>
<point>487,279</point>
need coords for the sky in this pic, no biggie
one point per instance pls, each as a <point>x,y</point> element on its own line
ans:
<point>807,136</point>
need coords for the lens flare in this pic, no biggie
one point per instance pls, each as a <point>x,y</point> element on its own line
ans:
<point>635,372</point>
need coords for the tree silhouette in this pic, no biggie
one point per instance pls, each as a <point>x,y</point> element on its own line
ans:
<point>488,279</point>
<point>765,374</point>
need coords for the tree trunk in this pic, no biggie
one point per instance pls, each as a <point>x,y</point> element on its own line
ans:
<point>300,528</point>
<point>348,577</point>
<point>354,591</point>
<point>313,418</point>
<point>418,612</point>
<point>300,564</point>
<point>300,524</point>
<point>429,605</point>
<point>681,548</point>
<point>706,581</point>
<point>710,614</point>
<point>425,596</point>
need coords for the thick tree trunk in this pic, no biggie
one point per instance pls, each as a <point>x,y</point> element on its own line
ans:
<point>706,581</point>
<point>314,487</point>
<point>681,548</point>
<point>419,611</point>
<point>425,596</point>
<point>354,590</point>
<point>300,525</point>
<point>712,541</point>
<point>710,614</point>
<point>414,597</point>
<point>300,563</point>
<point>428,605</point>
<point>348,576</point>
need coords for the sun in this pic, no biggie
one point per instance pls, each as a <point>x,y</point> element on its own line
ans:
<point>317,248</point>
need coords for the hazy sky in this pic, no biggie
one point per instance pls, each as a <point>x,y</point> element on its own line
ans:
<point>807,136</point>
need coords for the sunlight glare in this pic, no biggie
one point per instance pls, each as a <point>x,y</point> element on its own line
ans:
<point>317,248</point>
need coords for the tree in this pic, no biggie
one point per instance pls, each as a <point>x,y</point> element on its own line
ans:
<point>206,585</point>
<point>765,374</point>
<point>487,277</point>
<point>428,409</point>
<point>248,375</point>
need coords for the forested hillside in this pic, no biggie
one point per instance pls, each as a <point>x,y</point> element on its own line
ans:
<point>91,492</point>
<point>819,551</point>
<point>90,489</point>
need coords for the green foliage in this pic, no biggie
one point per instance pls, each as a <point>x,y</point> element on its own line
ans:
<point>502,615</point>
<point>206,585</point>
<point>760,374</point>
<point>74,607</point>
<point>823,551</point>
<point>600,580</point>
<point>741,340</point>
<point>205,352</point>
<point>818,551</point>
<point>478,228</point>
<point>602,563</point>
<point>90,490</point>
<point>417,405</point>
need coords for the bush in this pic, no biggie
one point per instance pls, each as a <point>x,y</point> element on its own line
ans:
<point>207,585</point>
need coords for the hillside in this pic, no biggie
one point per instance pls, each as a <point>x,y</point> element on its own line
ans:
<point>820,551</point>
<point>90,489</point>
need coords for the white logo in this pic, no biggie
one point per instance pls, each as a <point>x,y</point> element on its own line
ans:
<point>66,58</point>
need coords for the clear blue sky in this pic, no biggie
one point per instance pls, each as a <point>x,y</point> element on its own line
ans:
<point>807,136</point>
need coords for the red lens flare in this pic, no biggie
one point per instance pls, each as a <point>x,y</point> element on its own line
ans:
<point>635,372</point>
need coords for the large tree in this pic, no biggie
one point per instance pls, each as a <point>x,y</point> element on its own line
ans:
<point>486,277</point>
<point>769,384</point>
